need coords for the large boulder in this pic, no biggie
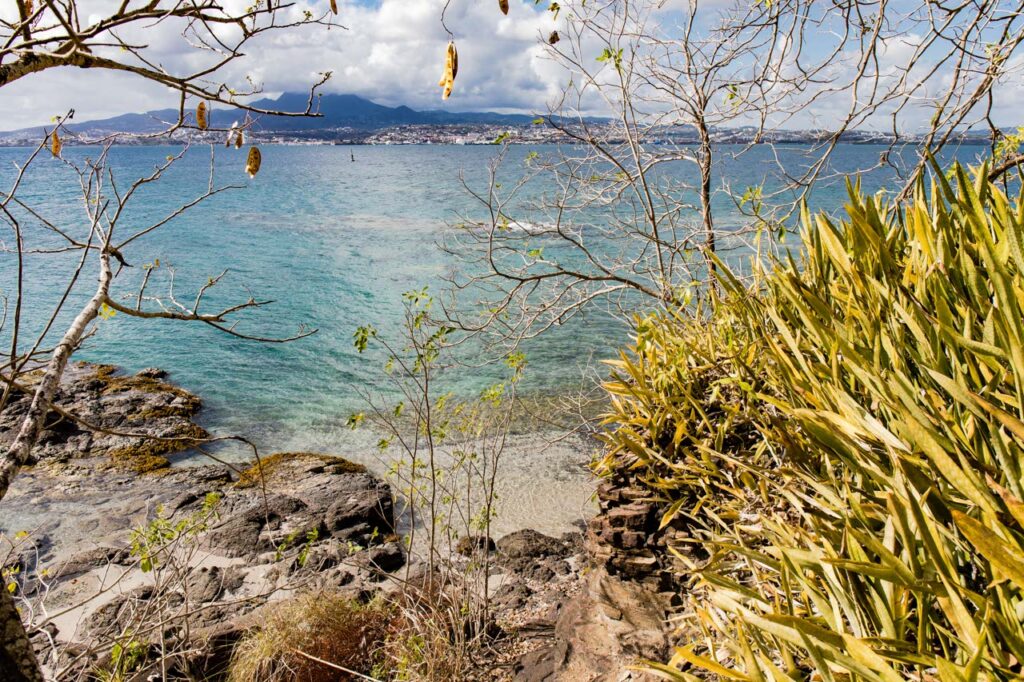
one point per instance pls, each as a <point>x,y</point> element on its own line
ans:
<point>338,499</point>
<point>530,544</point>
<point>241,532</point>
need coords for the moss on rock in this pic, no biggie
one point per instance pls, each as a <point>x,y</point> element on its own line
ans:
<point>138,461</point>
<point>268,466</point>
<point>114,383</point>
<point>149,454</point>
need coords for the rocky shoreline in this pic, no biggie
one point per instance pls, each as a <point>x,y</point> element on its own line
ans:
<point>244,539</point>
<point>136,419</point>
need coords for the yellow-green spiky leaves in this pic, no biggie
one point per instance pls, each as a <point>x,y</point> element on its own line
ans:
<point>845,430</point>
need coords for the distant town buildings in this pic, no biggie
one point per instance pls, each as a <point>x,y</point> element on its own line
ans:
<point>480,134</point>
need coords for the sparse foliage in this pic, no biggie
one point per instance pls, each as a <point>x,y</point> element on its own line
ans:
<point>444,455</point>
<point>636,212</point>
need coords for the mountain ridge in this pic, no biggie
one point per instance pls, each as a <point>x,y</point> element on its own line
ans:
<point>337,111</point>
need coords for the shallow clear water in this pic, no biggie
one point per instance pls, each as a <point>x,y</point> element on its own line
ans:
<point>334,243</point>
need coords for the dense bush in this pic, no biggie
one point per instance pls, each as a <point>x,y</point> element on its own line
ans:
<point>844,440</point>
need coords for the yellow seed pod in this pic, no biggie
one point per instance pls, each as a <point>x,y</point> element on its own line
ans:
<point>252,164</point>
<point>334,6</point>
<point>451,69</point>
<point>201,121</point>
<point>503,6</point>
<point>29,8</point>
<point>239,138</point>
<point>553,38</point>
<point>55,144</point>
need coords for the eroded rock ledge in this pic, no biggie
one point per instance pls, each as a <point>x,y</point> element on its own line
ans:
<point>618,614</point>
<point>137,419</point>
<point>310,522</point>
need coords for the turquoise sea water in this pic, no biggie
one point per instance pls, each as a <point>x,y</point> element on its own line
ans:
<point>334,243</point>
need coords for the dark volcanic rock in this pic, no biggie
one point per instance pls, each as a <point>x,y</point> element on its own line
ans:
<point>240,533</point>
<point>310,497</point>
<point>512,596</point>
<point>534,556</point>
<point>261,539</point>
<point>471,544</point>
<point>363,508</point>
<point>140,404</point>
<point>208,584</point>
<point>107,617</point>
<point>381,559</point>
<point>90,559</point>
<point>543,665</point>
<point>295,522</point>
<point>529,543</point>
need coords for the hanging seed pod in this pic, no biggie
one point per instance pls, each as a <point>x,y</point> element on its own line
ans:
<point>55,143</point>
<point>451,69</point>
<point>252,164</point>
<point>334,6</point>
<point>239,138</point>
<point>553,38</point>
<point>503,6</point>
<point>29,8</point>
<point>201,121</point>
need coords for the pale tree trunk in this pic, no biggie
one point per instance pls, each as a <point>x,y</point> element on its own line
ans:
<point>704,160</point>
<point>17,658</point>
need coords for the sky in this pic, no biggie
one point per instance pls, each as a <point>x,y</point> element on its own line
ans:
<point>389,51</point>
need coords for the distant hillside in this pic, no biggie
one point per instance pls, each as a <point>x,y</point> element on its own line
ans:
<point>365,120</point>
<point>338,111</point>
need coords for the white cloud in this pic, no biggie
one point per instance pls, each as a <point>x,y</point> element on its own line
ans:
<point>392,53</point>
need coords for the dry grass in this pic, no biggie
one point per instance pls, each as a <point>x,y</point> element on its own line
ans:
<point>422,633</point>
<point>327,626</point>
<point>433,637</point>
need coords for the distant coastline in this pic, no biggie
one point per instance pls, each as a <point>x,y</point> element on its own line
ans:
<point>488,134</point>
<point>352,120</point>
